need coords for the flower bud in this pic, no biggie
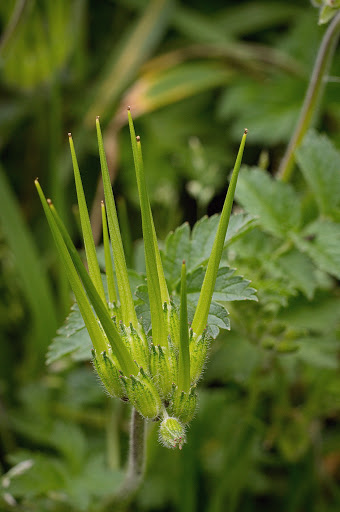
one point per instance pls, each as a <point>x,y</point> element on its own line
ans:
<point>109,375</point>
<point>172,433</point>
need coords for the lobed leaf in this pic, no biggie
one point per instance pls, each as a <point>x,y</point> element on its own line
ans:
<point>275,203</point>
<point>319,162</point>
<point>195,247</point>
<point>321,241</point>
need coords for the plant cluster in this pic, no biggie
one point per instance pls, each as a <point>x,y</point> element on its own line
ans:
<point>156,373</point>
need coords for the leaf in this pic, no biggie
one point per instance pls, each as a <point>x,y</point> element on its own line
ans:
<point>321,315</point>
<point>319,162</point>
<point>300,270</point>
<point>275,203</point>
<point>262,105</point>
<point>72,339</point>
<point>177,249</point>
<point>195,248</point>
<point>227,288</point>
<point>321,242</point>
<point>135,47</point>
<point>319,352</point>
<point>159,88</point>
<point>43,474</point>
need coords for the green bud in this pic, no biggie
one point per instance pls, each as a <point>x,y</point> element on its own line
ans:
<point>107,370</point>
<point>172,433</point>
<point>183,405</point>
<point>198,354</point>
<point>143,395</point>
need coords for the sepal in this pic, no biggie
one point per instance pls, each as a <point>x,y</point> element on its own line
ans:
<point>143,395</point>
<point>183,405</point>
<point>109,374</point>
<point>198,347</point>
<point>161,369</point>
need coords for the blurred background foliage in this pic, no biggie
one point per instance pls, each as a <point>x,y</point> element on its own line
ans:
<point>267,434</point>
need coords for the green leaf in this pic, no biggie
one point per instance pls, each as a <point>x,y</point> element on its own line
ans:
<point>319,162</point>
<point>177,249</point>
<point>321,242</point>
<point>319,352</point>
<point>43,474</point>
<point>299,268</point>
<point>275,203</point>
<point>136,46</point>
<point>72,339</point>
<point>228,287</point>
<point>204,232</point>
<point>321,315</point>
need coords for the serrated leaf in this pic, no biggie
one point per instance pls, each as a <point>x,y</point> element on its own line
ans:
<point>321,242</point>
<point>177,247</point>
<point>195,248</point>
<point>72,338</point>
<point>300,269</point>
<point>319,162</point>
<point>227,288</point>
<point>275,203</point>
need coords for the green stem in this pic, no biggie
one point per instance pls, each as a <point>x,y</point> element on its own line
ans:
<point>135,469</point>
<point>312,98</point>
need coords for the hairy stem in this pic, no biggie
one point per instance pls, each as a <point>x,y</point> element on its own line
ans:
<point>135,469</point>
<point>312,98</point>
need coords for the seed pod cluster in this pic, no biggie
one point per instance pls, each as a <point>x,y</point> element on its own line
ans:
<point>155,390</point>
